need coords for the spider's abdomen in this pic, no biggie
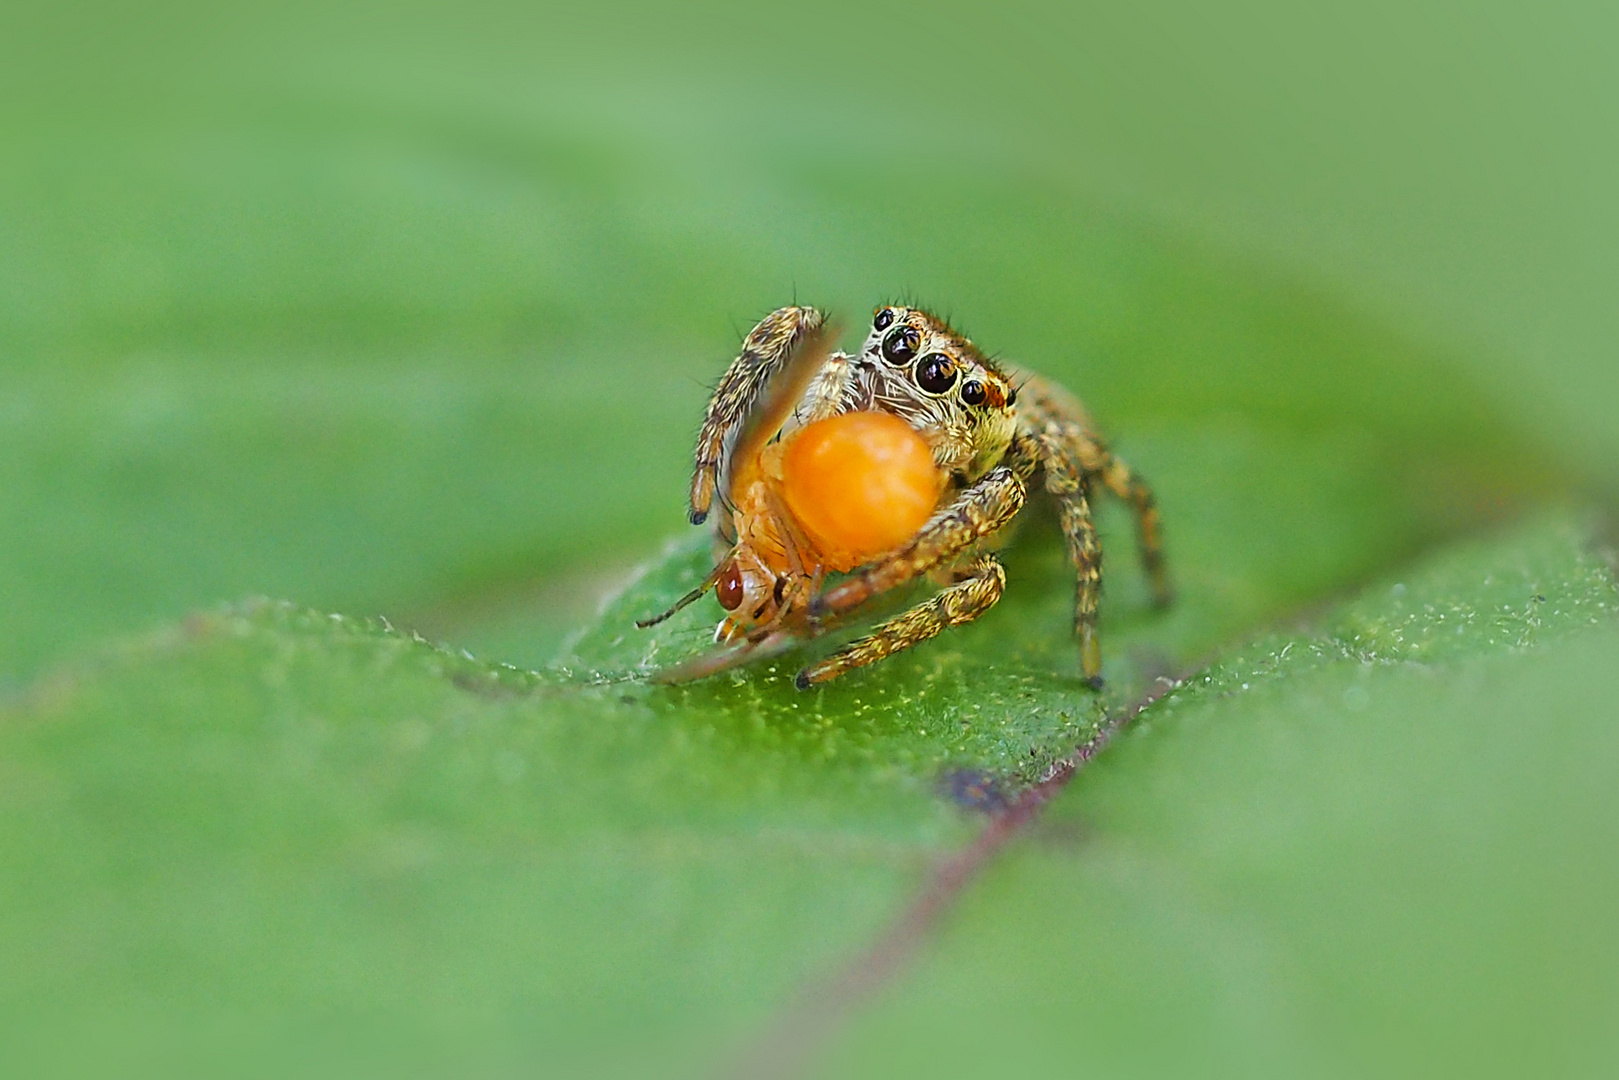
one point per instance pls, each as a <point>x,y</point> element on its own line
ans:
<point>859,484</point>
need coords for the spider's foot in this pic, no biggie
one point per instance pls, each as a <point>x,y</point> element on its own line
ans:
<point>1090,656</point>
<point>1095,682</point>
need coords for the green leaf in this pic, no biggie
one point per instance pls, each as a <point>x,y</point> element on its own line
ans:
<point>421,322</point>
<point>283,836</point>
<point>306,840</point>
<point>1383,844</point>
<point>272,835</point>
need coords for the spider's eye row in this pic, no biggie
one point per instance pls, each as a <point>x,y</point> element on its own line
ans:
<point>729,588</point>
<point>1011,396</point>
<point>899,347</point>
<point>884,319</point>
<point>972,392</point>
<point>935,373</point>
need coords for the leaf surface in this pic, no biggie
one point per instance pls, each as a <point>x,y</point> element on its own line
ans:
<point>1377,845</point>
<point>379,324</point>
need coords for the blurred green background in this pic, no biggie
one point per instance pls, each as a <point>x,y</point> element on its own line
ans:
<point>410,311</point>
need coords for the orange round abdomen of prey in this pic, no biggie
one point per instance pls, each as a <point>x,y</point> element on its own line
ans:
<point>860,484</point>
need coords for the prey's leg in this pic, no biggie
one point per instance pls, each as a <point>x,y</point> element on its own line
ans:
<point>975,592</point>
<point>685,601</point>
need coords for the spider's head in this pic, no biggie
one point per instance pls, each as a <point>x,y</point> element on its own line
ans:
<point>939,381</point>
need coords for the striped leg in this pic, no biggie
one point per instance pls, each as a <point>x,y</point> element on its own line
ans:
<point>975,592</point>
<point>765,352</point>
<point>977,512</point>
<point>1125,484</point>
<point>1072,493</point>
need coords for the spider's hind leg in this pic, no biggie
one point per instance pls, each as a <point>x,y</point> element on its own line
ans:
<point>975,591</point>
<point>1123,482</point>
<point>1071,489</point>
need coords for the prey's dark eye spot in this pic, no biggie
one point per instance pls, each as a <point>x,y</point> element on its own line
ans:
<point>781,588</point>
<point>884,319</point>
<point>935,373</point>
<point>972,392</point>
<point>899,347</point>
<point>729,588</point>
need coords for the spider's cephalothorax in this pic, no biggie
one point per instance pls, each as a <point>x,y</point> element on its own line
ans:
<point>889,464</point>
<point>915,366</point>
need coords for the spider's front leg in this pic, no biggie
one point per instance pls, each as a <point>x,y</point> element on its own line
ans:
<point>977,512</point>
<point>766,351</point>
<point>975,591</point>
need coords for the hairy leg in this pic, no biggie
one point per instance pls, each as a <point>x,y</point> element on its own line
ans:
<point>765,352</point>
<point>975,592</point>
<point>976,513</point>
<point>1059,421</point>
<point>1069,487</point>
<point>1126,485</point>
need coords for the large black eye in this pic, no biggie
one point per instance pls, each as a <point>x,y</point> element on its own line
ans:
<point>900,346</point>
<point>884,319</point>
<point>972,392</point>
<point>935,373</point>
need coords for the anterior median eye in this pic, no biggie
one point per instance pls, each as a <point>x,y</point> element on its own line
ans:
<point>936,373</point>
<point>899,347</point>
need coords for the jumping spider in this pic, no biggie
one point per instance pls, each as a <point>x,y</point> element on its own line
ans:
<point>814,476</point>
